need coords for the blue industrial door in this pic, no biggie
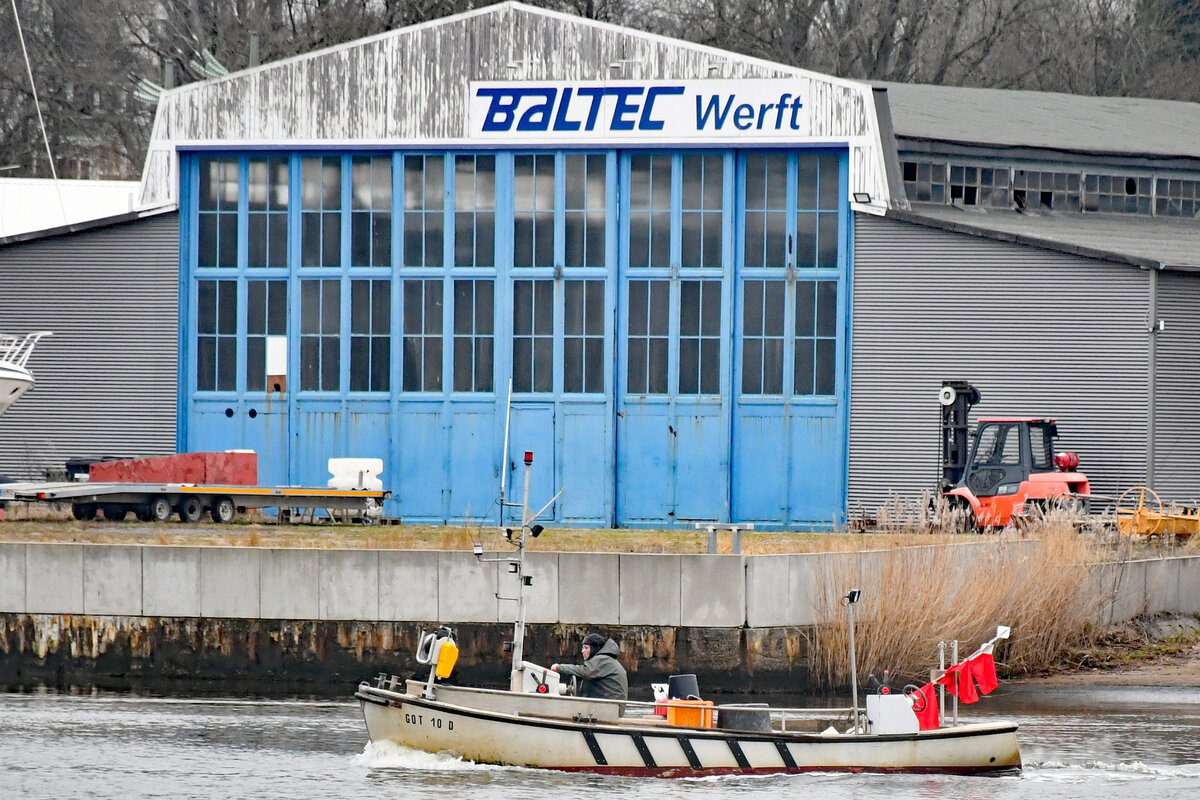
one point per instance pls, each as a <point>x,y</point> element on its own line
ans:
<point>789,452</point>
<point>672,359</point>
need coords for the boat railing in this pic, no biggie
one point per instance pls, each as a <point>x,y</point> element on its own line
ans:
<point>15,350</point>
<point>781,716</point>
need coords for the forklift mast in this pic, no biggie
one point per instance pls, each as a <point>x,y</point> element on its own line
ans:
<point>956,399</point>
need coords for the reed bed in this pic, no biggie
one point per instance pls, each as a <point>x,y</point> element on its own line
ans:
<point>921,596</point>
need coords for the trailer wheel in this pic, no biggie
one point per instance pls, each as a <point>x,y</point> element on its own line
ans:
<point>84,511</point>
<point>223,510</point>
<point>159,510</point>
<point>114,513</point>
<point>191,509</point>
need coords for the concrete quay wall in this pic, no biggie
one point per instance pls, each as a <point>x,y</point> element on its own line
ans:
<point>601,589</point>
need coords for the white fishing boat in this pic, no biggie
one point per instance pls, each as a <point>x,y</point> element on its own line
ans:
<point>15,377</point>
<point>535,724</point>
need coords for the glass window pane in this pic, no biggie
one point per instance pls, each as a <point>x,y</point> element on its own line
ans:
<point>826,366</point>
<point>826,308</point>
<point>827,242</point>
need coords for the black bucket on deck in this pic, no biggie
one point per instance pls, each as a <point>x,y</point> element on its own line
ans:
<point>681,687</point>
<point>755,717</point>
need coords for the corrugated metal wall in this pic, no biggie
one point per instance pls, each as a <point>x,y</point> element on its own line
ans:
<point>1039,333</point>
<point>1177,389</point>
<point>106,380</point>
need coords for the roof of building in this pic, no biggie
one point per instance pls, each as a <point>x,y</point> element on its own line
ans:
<point>1128,126</point>
<point>1152,242</point>
<point>86,225</point>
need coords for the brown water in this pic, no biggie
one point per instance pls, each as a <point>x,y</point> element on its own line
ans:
<point>1131,743</point>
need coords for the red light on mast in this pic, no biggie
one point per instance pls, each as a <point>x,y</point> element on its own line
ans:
<point>528,457</point>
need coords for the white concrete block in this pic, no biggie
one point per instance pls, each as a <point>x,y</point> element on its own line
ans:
<point>589,588</point>
<point>12,578</point>
<point>408,586</point>
<point>349,584</point>
<point>712,591</point>
<point>112,580</point>
<point>1189,585</point>
<point>54,578</point>
<point>288,583</point>
<point>171,581</point>
<point>230,584</point>
<point>767,590</point>
<point>650,589</point>
<point>467,587</point>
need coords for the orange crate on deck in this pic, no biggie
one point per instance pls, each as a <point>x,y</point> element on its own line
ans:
<point>690,713</point>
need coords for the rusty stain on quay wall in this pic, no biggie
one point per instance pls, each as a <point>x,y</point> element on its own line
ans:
<point>331,656</point>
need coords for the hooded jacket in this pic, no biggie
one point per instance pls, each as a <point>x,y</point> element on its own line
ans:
<point>601,675</point>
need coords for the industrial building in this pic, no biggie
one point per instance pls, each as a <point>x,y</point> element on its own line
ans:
<point>719,288</point>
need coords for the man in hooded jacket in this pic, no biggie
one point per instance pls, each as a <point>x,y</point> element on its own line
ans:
<point>601,674</point>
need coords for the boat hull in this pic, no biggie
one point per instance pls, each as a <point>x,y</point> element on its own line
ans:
<point>655,749</point>
<point>14,382</point>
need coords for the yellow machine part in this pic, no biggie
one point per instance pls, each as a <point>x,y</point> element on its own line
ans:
<point>447,657</point>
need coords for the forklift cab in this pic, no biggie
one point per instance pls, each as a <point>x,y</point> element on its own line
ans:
<point>1007,452</point>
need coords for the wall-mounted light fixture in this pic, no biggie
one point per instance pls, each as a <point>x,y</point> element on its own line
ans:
<point>862,197</point>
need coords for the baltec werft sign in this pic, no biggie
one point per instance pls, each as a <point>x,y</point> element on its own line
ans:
<point>625,110</point>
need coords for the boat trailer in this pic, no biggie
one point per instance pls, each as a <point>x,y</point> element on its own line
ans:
<point>158,502</point>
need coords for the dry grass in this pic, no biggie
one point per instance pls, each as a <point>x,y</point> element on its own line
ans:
<point>942,593</point>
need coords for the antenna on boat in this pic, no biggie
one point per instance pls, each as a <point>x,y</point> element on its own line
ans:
<point>504,458</point>
<point>516,563</point>
<point>851,598</point>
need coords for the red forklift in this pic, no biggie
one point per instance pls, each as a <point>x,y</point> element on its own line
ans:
<point>1010,472</point>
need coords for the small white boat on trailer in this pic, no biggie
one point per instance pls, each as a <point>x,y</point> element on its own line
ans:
<point>15,377</point>
<point>534,724</point>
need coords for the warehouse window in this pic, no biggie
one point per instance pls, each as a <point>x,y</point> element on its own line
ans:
<point>649,330</point>
<point>474,335</point>
<point>925,181</point>
<point>765,216</point>
<point>583,336</point>
<point>762,337</point>
<point>533,336</point>
<point>267,212</point>
<point>320,326</point>
<point>474,211</point>
<point>216,340</point>
<point>218,213</point>
<point>370,335</point>
<point>533,211</point>
<point>702,216</point>
<point>699,337</point>
<point>817,211</point>
<point>266,317</point>
<point>984,187</point>
<point>650,211</point>
<point>816,338</point>
<point>1175,197</point>
<point>371,211</point>
<point>424,210</point>
<point>1045,189</point>
<point>423,336</point>
<point>1122,194</point>
<point>586,209</point>
<point>321,212</point>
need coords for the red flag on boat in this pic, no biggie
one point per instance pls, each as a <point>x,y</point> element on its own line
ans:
<point>961,679</point>
<point>983,669</point>
<point>925,706</point>
<point>957,681</point>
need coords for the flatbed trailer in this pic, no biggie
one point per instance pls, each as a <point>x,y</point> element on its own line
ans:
<point>157,502</point>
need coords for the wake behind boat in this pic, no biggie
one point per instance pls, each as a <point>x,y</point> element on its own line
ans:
<point>535,724</point>
<point>15,377</point>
